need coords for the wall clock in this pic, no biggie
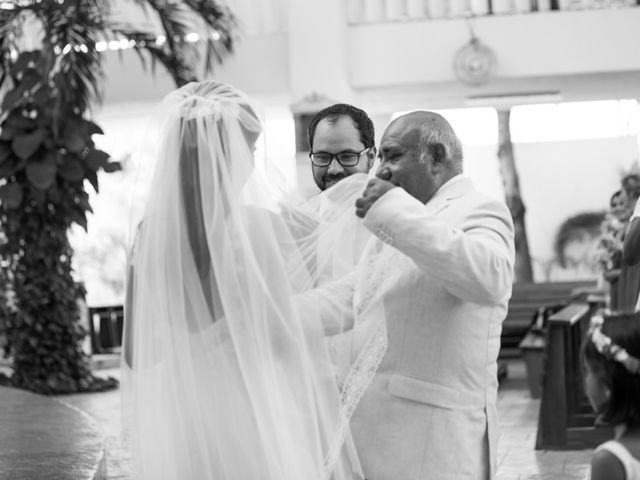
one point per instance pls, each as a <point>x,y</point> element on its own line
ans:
<point>474,63</point>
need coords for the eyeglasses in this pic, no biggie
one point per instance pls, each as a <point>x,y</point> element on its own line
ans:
<point>346,159</point>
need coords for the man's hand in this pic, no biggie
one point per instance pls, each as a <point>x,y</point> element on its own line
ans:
<point>375,189</point>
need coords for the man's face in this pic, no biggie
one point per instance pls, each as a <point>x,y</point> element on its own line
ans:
<point>334,137</point>
<point>400,155</point>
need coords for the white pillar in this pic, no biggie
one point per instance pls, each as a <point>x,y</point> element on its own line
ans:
<point>479,7</point>
<point>415,9</point>
<point>458,8</point>
<point>436,8</point>
<point>355,11</point>
<point>395,10</point>
<point>374,11</point>
<point>502,6</point>
<point>523,6</point>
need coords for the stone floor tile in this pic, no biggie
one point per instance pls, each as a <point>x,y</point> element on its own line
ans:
<point>517,458</point>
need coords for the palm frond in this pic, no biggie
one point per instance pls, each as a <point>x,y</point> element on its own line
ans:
<point>10,27</point>
<point>72,29</point>
<point>177,19</point>
<point>71,32</point>
<point>220,25</point>
<point>146,45</point>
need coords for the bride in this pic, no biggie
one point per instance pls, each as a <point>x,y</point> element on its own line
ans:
<point>226,371</point>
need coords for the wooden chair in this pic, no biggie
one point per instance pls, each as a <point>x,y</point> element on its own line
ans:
<point>105,328</point>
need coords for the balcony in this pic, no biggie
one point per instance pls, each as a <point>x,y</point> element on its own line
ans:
<point>566,51</point>
<point>381,11</point>
<point>390,55</point>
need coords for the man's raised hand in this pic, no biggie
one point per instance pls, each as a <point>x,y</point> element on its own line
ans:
<point>376,188</point>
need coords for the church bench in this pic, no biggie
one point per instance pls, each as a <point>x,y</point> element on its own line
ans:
<point>525,301</point>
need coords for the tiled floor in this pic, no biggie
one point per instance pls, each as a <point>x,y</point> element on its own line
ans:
<point>517,459</point>
<point>104,407</point>
<point>43,439</point>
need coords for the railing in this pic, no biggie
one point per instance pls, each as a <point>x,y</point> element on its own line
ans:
<point>382,11</point>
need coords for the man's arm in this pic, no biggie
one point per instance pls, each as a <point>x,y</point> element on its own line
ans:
<point>331,302</point>
<point>473,262</point>
<point>631,247</point>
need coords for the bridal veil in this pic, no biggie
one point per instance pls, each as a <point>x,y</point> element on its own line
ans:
<point>226,371</point>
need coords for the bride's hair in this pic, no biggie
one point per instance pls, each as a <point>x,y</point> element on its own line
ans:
<point>207,109</point>
<point>218,101</point>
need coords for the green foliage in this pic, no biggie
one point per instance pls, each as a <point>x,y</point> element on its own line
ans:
<point>46,154</point>
<point>42,327</point>
<point>79,23</point>
<point>46,149</point>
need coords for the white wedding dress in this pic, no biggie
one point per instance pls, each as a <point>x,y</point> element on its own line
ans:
<point>226,371</point>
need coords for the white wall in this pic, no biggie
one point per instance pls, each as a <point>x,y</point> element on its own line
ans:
<point>557,180</point>
<point>532,45</point>
<point>585,54</point>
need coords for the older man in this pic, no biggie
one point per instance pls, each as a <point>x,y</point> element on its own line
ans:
<point>342,142</point>
<point>430,410</point>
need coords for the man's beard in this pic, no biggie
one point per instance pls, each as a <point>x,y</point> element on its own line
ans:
<point>330,180</point>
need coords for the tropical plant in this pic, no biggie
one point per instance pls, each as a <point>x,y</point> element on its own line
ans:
<point>47,152</point>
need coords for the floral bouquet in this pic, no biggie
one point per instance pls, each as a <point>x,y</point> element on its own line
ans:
<point>609,250</point>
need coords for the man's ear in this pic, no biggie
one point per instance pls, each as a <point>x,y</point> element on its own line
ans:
<point>439,153</point>
<point>371,157</point>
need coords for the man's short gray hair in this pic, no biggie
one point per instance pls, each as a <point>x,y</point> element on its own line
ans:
<point>438,136</point>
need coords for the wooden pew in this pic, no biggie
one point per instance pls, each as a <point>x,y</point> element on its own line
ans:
<point>105,322</point>
<point>524,303</point>
<point>566,421</point>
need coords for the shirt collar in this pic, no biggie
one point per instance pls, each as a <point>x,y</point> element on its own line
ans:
<point>454,187</point>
